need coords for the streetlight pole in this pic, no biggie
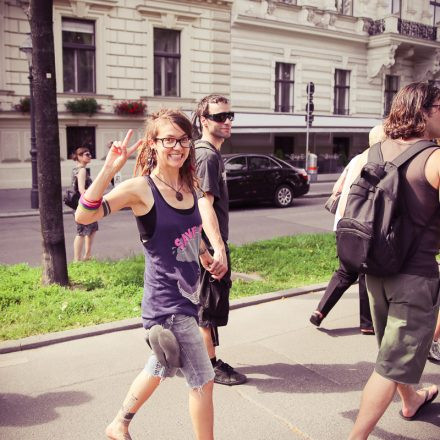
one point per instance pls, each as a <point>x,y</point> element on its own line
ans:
<point>26,47</point>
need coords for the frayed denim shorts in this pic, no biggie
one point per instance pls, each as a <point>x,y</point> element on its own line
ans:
<point>196,365</point>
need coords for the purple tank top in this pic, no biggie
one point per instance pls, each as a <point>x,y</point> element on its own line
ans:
<point>172,271</point>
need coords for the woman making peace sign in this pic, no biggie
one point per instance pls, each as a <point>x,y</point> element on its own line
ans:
<point>163,200</point>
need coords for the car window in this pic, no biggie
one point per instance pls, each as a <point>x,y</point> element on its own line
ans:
<point>236,164</point>
<point>259,163</point>
<point>274,164</point>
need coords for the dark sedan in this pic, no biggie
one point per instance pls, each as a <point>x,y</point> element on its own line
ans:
<point>263,177</point>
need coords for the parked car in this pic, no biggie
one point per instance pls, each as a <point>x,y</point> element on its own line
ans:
<point>263,177</point>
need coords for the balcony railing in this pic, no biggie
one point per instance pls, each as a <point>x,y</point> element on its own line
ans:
<point>404,27</point>
<point>376,27</point>
<point>416,30</point>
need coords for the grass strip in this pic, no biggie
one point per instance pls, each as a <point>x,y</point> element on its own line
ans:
<point>104,291</point>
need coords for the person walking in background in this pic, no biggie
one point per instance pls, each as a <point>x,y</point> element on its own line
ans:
<point>434,351</point>
<point>81,180</point>
<point>405,306</point>
<point>163,200</point>
<point>343,278</point>
<point>213,120</point>
<point>117,179</point>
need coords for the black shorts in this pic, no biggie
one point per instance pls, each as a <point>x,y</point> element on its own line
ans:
<point>214,298</point>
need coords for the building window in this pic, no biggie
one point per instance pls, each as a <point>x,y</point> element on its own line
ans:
<point>342,92</point>
<point>80,137</point>
<point>435,10</point>
<point>78,56</point>
<point>284,74</point>
<point>166,62</point>
<point>396,6</point>
<point>391,88</point>
<point>344,7</point>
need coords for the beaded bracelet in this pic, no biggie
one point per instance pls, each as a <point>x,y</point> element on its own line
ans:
<point>89,205</point>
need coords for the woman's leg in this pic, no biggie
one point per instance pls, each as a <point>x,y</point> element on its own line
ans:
<point>140,390</point>
<point>341,280</point>
<point>366,322</point>
<point>78,245</point>
<point>89,242</point>
<point>201,409</point>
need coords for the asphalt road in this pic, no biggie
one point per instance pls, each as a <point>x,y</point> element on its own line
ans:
<point>117,237</point>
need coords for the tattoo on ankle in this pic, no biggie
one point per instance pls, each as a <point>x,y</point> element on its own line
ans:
<point>126,413</point>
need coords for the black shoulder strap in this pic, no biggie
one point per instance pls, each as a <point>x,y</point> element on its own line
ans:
<point>375,154</point>
<point>412,151</point>
<point>204,144</point>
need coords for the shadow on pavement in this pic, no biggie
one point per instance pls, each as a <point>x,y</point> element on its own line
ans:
<point>22,410</point>
<point>307,378</point>
<point>335,332</point>
<point>429,415</point>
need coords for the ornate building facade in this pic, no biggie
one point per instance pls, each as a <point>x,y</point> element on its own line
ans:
<point>261,54</point>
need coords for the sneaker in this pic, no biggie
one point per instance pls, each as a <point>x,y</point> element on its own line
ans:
<point>226,375</point>
<point>316,319</point>
<point>434,351</point>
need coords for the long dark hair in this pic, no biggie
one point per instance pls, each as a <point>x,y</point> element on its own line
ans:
<point>202,109</point>
<point>410,109</point>
<point>146,159</point>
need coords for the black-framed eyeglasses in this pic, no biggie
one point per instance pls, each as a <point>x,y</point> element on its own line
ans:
<point>169,142</point>
<point>435,105</point>
<point>86,154</point>
<point>221,117</point>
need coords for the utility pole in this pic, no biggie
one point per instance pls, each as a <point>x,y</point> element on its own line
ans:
<point>309,117</point>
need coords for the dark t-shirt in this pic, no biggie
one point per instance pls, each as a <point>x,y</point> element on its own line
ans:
<point>212,177</point>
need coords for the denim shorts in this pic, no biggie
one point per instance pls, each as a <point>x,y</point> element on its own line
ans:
<point>404,309</point>
<point>196,365</point>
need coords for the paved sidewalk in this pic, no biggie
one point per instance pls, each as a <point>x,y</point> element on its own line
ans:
<point>304,382</point>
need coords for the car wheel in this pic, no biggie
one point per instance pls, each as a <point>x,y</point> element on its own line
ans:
<point>283,196</point>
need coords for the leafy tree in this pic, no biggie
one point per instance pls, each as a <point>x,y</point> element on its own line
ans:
<point>48,146</point>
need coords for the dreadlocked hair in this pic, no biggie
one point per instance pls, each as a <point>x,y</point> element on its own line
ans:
<point>202,109</point>
<point>146,160</point>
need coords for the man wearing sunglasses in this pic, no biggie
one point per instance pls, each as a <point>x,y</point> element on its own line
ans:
<point>213,120</point>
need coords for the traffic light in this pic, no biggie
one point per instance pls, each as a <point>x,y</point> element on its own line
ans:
<point>310,107</point>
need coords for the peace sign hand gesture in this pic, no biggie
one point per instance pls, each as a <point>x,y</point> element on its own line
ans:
<point>119,153</point>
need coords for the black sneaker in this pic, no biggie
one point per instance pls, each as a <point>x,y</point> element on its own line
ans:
<point>226,375</point>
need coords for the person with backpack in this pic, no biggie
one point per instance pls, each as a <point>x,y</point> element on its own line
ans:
<point>81,180</point>
<point>343,278</point>
<point>212,120</point>
<point>391,231</point>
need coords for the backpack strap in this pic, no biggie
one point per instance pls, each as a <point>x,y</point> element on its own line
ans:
<point>204,144</point>
<point>412,151</point>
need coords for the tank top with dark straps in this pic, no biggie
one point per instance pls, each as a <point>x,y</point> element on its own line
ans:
<point>422,203</point>
<point>172,271</point>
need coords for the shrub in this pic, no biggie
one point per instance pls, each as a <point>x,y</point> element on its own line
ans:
<point>24,106</point>
<point>83,105</point>
<point>130,108</point>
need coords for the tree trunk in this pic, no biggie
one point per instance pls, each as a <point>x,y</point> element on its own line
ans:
<point>48,146</point>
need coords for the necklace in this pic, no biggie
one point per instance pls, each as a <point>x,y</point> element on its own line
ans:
<point>179,195</point>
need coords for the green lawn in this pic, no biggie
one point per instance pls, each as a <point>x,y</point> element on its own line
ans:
<point>103,291</point>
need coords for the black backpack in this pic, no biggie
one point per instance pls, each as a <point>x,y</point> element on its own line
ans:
<point>375,234</point>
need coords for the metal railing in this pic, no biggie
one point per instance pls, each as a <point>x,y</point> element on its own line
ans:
<point>404,27</point>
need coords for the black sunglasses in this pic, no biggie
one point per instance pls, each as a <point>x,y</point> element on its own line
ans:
<point>221,117</point>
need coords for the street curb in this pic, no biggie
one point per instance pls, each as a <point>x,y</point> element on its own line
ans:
<point>132,323</point>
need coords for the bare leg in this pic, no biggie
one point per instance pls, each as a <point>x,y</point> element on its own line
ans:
<point>376,397</point>
<point>201,410</point>
<point>412,399</point>
<point>140,390</point>
<point>207,339</point>
<point>78,245</point>
<point>437,329</point>
<point>88,249</point>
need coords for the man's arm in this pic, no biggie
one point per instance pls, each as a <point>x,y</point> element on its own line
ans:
<point>219,265</point>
